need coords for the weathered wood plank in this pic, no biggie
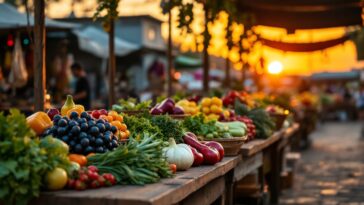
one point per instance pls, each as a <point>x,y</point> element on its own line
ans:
<point>247,166</point>
<point>208,194</point>
<point>258,145</point>
<point>168,191</point>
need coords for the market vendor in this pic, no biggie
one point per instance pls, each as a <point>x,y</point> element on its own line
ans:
<point>81,94</point>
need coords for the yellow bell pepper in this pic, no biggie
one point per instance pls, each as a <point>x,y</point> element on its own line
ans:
<point>69,104</point>
<point>39,122</point>
<point>76,108</point>
<point>69,107</point>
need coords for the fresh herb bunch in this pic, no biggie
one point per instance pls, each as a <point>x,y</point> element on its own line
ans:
<point>170,128</point>
<point>140,125</point>
<point>24,159</point>
<point>140,161</point>
<point>197,125</point>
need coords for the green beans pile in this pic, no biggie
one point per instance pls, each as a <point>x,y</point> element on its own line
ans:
<point>139,161</point>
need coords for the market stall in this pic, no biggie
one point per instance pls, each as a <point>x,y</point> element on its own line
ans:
<point>175,152</point>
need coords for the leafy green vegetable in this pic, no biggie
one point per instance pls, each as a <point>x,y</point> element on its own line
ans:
<point>140,161</point>
<point>138,125</point>
<point>264,125</point>
<point>170,128</point>
<point>24,160</point>
<point>197,125</point>
<point>131,104</point>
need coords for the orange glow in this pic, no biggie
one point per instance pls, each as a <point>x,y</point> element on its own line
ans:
<point>275,67</point>
<point>338,58</point>
<point>177,75</point>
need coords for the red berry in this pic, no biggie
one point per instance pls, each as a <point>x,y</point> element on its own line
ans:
<point>96,114</point>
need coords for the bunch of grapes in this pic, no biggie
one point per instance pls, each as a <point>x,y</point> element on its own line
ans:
<point>84,134</point>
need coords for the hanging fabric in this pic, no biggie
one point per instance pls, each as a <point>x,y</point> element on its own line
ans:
<point>18,76</point>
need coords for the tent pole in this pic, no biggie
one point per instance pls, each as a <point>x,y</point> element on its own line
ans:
<point>169,55</point>
<point>111,63</point>
<point>39,55</point>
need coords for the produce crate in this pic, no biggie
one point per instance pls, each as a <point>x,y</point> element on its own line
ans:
<point>231,145</point>
<point>278,119</point>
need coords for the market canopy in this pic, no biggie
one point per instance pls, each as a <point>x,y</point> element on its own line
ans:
<point>11,18</point>
<point>308,14</point>
<point>95,41</point>
<point>186,61</point>
<point>303,47</point>
<point>336,76</point>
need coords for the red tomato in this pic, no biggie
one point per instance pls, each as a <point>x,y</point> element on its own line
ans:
<point>80,185</point>
<point>173,168</point>
<point>93,168</point>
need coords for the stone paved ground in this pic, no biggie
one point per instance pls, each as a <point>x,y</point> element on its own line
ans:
<point>332,171</point>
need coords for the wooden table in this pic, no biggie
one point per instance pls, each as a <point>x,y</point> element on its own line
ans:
<point>199,185</point>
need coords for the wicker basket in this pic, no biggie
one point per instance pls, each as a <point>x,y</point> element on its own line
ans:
<point>278,120</point>
<point>179,117</point>
<point>231,146</point>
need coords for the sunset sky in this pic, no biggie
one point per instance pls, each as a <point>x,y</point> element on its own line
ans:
<point>338,58</point>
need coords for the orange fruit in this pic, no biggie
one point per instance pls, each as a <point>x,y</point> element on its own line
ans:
<point>119,118</point>
<point>206,102</point>
<point>216,101</point>
<point>122,135</point>
<point>110,118</point>
<point>127,132</point>
<point>123,127</point>
<point>113,113</point>
<point>206,110</point>
<point>117,124</point>
<point>78,158</point>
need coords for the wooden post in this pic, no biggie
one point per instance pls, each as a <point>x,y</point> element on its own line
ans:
<point>243,74</point>
<point>169,55</point>
<point>111,63</point>
<point>206,63</point>
<point>227,72</point>
<point>39,55</point>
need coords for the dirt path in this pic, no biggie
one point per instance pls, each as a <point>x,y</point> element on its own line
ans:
<point>332,171</point>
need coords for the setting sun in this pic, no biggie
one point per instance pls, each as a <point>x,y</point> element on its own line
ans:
<point>275,67</point>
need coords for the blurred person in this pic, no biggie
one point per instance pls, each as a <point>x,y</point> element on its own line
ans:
<point>81,94</point>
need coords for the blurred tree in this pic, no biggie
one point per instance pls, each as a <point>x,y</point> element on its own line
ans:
<point>107,11</point>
